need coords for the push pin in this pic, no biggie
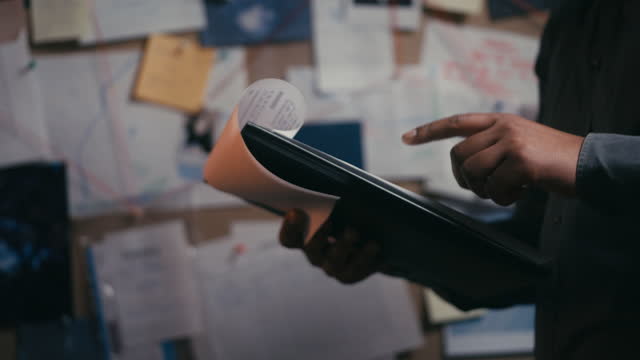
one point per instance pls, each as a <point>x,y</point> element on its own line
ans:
<point>180,48</point>
<point>29,67</point>
<point>238,250</point>
<point>137,213</point>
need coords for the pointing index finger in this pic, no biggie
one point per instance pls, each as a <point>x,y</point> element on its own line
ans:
<point>457,125</point>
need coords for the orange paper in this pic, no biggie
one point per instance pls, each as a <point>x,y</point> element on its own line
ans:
<point>174,72</point>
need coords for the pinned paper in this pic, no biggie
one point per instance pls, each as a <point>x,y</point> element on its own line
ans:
<point>440,311</point>
<point>174,73</point>
<point>402,15</point>
<point>58,20</point>
<point>467,7</point>
<point>112,20</point>
<point>11,20</point>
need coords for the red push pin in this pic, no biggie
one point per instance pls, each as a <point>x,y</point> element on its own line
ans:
<point>239,249</point>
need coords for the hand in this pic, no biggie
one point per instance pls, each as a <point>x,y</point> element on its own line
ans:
<point>503,154</point>
<point>342,256</point>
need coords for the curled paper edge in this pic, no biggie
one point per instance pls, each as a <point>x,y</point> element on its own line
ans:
<point>233,169</point>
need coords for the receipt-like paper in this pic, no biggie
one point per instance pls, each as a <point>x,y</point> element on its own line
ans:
<point>279,106</point>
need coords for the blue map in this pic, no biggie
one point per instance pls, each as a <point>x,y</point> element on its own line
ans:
<point>243,22</point>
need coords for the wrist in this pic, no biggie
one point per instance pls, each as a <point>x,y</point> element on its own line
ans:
<point>561,174</point>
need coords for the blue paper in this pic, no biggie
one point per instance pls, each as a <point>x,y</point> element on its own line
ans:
<point>251,21</point>
<point>499,332</point>
<point>499,9</point>
<point>340,140</point>
<point>34,244</point>
<point>59,340</point>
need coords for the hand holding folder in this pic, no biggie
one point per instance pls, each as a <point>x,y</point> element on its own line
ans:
<point>419,238</point>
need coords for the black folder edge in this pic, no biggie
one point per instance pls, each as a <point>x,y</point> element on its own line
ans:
<point>283,154</point>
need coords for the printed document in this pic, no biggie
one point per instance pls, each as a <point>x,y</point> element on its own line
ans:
<point>147,286</point>
<point>271,298</point>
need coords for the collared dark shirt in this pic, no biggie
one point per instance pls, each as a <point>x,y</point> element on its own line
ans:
<point>589,73</point>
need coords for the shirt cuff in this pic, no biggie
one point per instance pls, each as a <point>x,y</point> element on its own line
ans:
<point>608,171</point>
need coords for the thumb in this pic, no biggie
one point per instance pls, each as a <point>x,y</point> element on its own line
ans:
<point>294,229</point>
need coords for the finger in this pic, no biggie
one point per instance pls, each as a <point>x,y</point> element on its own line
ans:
<point>294,229</point>
<point>457,125</point>
<point>476,169</point>
<point>457,174</point>
<point>507,183</point>
<point>340,252</point>
<point>474,144</point>
<point>364,264</point>
<point>316,248</point>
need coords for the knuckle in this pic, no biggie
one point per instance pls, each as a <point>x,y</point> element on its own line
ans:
<point>314,259</point>
<point>517,148</point>
<point>529,172</point>
<point>454,121</point>
<point>468,169</point>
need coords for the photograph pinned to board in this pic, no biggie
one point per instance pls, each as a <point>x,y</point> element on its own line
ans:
<point>400,14</point>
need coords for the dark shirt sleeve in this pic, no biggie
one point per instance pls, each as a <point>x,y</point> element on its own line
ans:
<point>608,172</point>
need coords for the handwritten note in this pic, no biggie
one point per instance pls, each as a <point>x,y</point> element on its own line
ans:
<point>476,70</point>
<point>174,73</point>
<point>56,20</point>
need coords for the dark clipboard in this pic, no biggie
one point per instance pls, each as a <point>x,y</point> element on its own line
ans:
<point>421,239</point>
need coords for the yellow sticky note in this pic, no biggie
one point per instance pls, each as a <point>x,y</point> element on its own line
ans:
<point>174,72</point>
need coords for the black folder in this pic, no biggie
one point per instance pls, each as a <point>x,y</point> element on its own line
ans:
<point>420,238</point>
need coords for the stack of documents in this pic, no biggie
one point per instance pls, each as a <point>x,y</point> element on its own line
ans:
<point>264,301</point>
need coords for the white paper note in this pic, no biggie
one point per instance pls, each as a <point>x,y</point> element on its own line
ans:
<point>271,298</point>
<point>228,80</point>
<point>121,152</point>
<point>124,19</point>
<point>148,284</point>
<point>276,105</point>
<point>469,7</point>
<point>389,112</point>
<point>402,15</point>
<point>440,311</point>
<point>321,107</point>
<point>23,132</point>
<point>492,65</point>
<point>56,20</point>
<point>349,57</point>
